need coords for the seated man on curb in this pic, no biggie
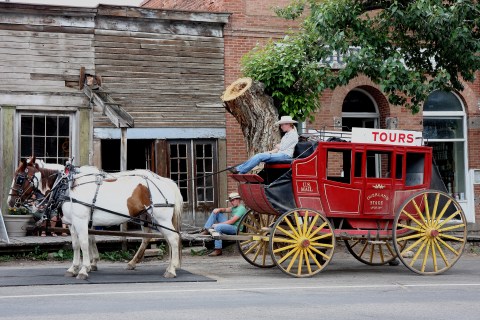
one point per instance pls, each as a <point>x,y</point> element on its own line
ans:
<point>219,221</point>
<point>282,151</point>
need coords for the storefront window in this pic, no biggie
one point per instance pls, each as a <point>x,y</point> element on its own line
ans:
<point>443,129</point>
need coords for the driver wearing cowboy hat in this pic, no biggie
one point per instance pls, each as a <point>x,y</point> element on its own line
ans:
<point>283,150</point>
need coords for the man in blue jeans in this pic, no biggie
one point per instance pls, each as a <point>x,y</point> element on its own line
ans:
<point>222,224</point>
<point>282,151</point>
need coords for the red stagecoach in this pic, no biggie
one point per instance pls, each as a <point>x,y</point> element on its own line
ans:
<point>376,190</point>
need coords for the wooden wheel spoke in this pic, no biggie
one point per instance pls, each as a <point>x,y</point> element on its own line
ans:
<point>425,257</point>
<point>291,228</point>
<point>412,217</point>
<point>417,254</point>
<point>307,261</point>
<point>380,252</point>
<point>283,240</point>
<point>312,224</point>
<point>363,249</point>
<point>284,248</point>
<point>290,265</point>
<point>434,256</point>
<point>404,226</point>
<point>420,214</point>
<point>442,254</point>
<point>448,219</point>
<point>390,249</point>
<point>320,253</point>
<point>450,237</point>
<point>413,245</point>
<point>323,236</point>
<point>412,236</point>
<point>300,262</point>
<point>462,225</point>
<point>321,245</point>
<point>249,226</point>
<point>449,247</point>
<point>427,210</point>
<point>305,223</point>
<point>298,223</point>
<point>314,258</point>
<point>243,243</point>
<point>435,206</point>
<point>445,207</point>
<point>286,233</point>
<point>252,247</point>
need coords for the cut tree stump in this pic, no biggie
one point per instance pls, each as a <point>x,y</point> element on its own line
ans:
<point>254,110</point>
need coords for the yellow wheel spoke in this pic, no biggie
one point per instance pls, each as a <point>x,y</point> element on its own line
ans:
<point>314,257</point>
<point>258,251</point>
<point>390,249</point>
<point>404,226</point>
<point>252,248</point>
<point>320,228</point>
<point>314,220</point>
<point>320,253</point>
<point>298,222</point>
<point>300,262</point>
<point>291,227</point>
<point>305,223</point>
<point>413,236</point>
<point>420,214</point>
<point>285,257</point>
<point>380,251</point>
<point>322,245</point>
<point>449,218</point>
<point>285,248</point>
<point>450,237</point>
<point>425,257</point>
<point>363,249</point>
<point>285,232</point>
<point>445,207</point>
<point>434,256</point>
<point>243,243</point>
<point>435,206</point>
<point>411,217</point>
<point>290,265</point>
<point>413,245</point>
<point>462,225</point>
<point>449,247</point>
<point>283,240</point>
<point>415,257</point>
<point>427,210</point>
<point>323,236</point>
<point>442,254</point>
<point>307,261</point>
<point>249,226</point>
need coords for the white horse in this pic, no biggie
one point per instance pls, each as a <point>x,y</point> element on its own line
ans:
<point>94,199</point>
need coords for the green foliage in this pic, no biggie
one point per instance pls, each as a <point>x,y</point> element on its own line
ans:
<point>21,211</point>
<point>117,255</point>
<point>409,48</point>
<point>62,255</point>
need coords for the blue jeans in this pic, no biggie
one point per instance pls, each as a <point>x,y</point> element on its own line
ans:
<point>261,157</point>
<point>221,228</point>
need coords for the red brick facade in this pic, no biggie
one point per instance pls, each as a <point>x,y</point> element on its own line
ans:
<point>253,21</point>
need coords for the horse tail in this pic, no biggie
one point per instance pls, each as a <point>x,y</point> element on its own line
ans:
<point>177,218</point>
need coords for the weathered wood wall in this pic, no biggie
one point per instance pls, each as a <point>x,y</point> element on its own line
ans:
<point>164,67</point>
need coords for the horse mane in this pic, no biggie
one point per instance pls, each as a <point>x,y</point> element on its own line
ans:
<point>49,176</point>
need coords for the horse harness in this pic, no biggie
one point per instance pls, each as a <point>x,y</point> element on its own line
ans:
<point>65,182</point>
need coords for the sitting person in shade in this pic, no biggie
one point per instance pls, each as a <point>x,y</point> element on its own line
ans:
<point>283,150</point>
<point>220,222</point>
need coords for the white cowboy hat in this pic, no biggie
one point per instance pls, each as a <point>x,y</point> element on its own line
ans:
<point>233,196</point>
<point>285,119</point>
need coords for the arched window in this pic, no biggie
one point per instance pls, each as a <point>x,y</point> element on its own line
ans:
<point>359,110</point>
<point>444,128</point>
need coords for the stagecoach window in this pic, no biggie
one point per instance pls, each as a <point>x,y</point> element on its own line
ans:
<point>399,167</point>
<point>415,169</point>
<point>48,137</point>
<point>358,164</point>
<point>339,164</point>
<point>379,164</point>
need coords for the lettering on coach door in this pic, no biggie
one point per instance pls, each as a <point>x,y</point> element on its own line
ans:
<point>377,201</point>
<point>307,187</point>
<point>391,137</point>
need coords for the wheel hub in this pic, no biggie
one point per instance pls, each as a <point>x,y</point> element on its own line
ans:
<point>433,233</point>
<point>305,243</point>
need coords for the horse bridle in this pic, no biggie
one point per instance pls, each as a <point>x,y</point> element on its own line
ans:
<point>18,187</point>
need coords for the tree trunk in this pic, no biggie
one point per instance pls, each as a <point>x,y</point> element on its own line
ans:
<point>255,112</point>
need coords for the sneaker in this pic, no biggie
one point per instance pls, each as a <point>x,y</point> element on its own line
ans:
<point>204,233</point>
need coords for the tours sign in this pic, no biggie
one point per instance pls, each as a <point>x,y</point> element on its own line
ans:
<point>390,137</point>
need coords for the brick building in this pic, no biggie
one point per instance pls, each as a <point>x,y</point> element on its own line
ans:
<point>451,121</point>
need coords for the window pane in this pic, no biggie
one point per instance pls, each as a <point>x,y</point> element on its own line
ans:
<point>415,169</point>
<point>398,169</point>
<point>378,164</point>
<point>449,158</point>
<point>27,125</point>
<point>51,147</point>
<point>26,147</point>
<point>51,126</point>
<point>339,165</point>
<point>64,126</point>
<point>442,101</point>
<point>64,148</point>
<point>199,150</point>
<point>436,128</point>
<point>39,125</point>
<point>39,146</point>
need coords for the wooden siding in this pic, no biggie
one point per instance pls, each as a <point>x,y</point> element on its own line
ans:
<point>163,69</point>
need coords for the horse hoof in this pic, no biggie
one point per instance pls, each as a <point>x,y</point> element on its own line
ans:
<point>82,276</point>
<point>131,266</point>
<point>169,275</point>
<point>93,268</point>
<point>69,274</point>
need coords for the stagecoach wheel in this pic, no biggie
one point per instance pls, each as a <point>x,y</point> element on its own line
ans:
<point>255,250</point>
<point>434,227</point>
<point>372,252</point>
<point>302,242</point>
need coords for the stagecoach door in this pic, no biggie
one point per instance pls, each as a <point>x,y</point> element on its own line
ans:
<point>192,165</point>
<point>378,186</point>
